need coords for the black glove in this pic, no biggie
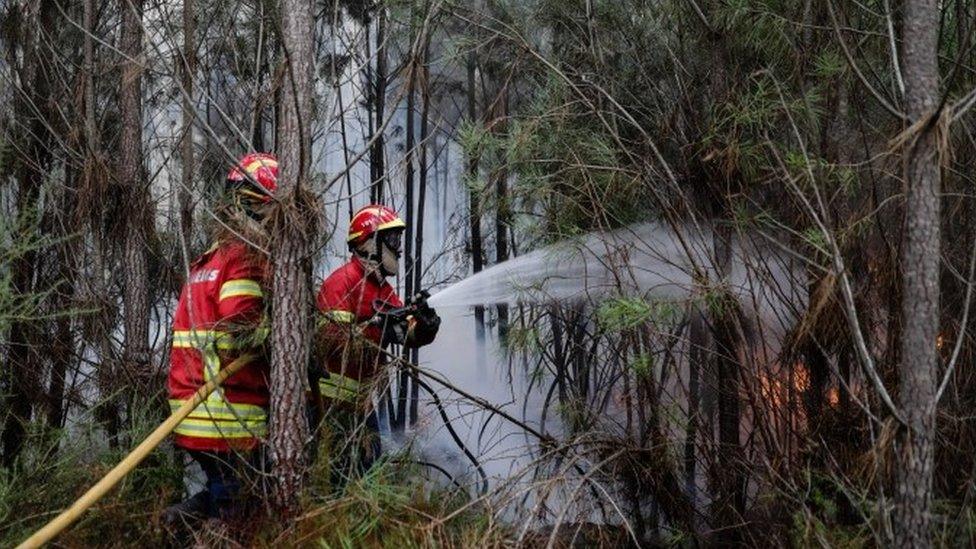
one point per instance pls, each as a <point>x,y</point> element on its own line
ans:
<point>424,325</point>
<point>394,330</point>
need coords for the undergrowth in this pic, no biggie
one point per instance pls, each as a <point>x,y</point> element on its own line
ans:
<point>390,506</point>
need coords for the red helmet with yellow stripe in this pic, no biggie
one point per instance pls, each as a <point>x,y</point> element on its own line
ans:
<point>260,168</point>
<point>370,220</point>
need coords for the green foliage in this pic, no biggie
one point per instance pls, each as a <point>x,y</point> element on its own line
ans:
<point>642,365</point>
<point>816,239</point>
<point>20,236</point>
<point>522,338</point>
<point>737,139</point>
<point>58,467</point>
<point>626,313</point>
<point>760,26</point>
<point>389,507</point>
<point>829,64</point>
<point>472,137</point>
<point>829,514</point>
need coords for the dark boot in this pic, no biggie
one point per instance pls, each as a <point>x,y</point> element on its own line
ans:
<point>187,512</point>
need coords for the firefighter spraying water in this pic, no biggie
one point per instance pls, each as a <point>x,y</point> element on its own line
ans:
<point>361,315</point>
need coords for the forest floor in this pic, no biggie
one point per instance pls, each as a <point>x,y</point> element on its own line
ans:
<point>390,506</point>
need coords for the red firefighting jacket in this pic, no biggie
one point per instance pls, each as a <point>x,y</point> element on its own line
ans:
<point>217,320</point>
<point>348,297</point>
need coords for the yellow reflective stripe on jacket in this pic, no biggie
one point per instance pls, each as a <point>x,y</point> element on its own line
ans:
<point>223,410</point>
<point>208,342</point>
<point>211,365</point>
<point>201,339</point>
<point>261,333</point>
<point>340,316</point>
<point>339,387</point>
<point>240,287</point>
<point>209,428</point>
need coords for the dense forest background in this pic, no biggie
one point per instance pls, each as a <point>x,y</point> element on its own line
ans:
<point>826,147</point>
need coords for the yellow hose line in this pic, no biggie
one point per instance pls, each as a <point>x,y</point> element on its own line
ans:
<point>126,466</point>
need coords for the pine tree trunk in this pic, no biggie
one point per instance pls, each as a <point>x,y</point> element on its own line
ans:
<point>293,231</point>
<point>88,46</point>
<point>62,349</point>
<point>135,269</point>
<point>20,376</point>
<point>186,145</point>
<point>920,279</point>
<point>730,504</point>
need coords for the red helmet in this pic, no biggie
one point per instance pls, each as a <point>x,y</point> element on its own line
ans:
<point>371,219</point>
<point>255,167</point>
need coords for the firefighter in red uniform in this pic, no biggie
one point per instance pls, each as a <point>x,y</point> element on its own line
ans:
<point>354,330</point>
<point>219,317</point>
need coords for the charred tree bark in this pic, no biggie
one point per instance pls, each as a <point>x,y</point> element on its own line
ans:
<point>293,230</point>
<point>377,161</point>
<point>818,372</point>
<point>503,214</point>
<point>264,69</point>
<point>699,354</point>
<point>188,67</point>
<point>337,86</point>
<point>730,502</point>
<point>474,203</point>
<point>139,222</point>
<point>920,277</point>
<point>399,422</point>
<point>421,203</point>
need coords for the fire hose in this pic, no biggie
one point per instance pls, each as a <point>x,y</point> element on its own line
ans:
<point>96,492</point>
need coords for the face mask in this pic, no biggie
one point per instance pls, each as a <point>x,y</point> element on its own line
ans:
<point>386,262</point>
<point>244,225</point>
<point>390,242</point>
<point>390,263</point>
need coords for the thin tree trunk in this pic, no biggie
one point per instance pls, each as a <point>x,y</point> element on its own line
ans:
<point>139,222</point>
<point>699,354</point>
<point>186,145</point>
<point>62,349</point>
<point>730,504</point>
<point>96,288</point>
<point>88,45</point>
<point>377,162</point>
<point>474,206</point>
<point>337,85</point>
<point>503,211</point>
<point>343,134</point>
<point>421,203</point>
<point>403,385</point>
<point>257,121</point>
<point>818,371</point>
<point>293,229</point>
<point>920,278</point>
<point>20,381</point>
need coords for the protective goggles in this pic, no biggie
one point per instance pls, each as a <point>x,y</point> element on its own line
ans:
<point>391,239</point>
